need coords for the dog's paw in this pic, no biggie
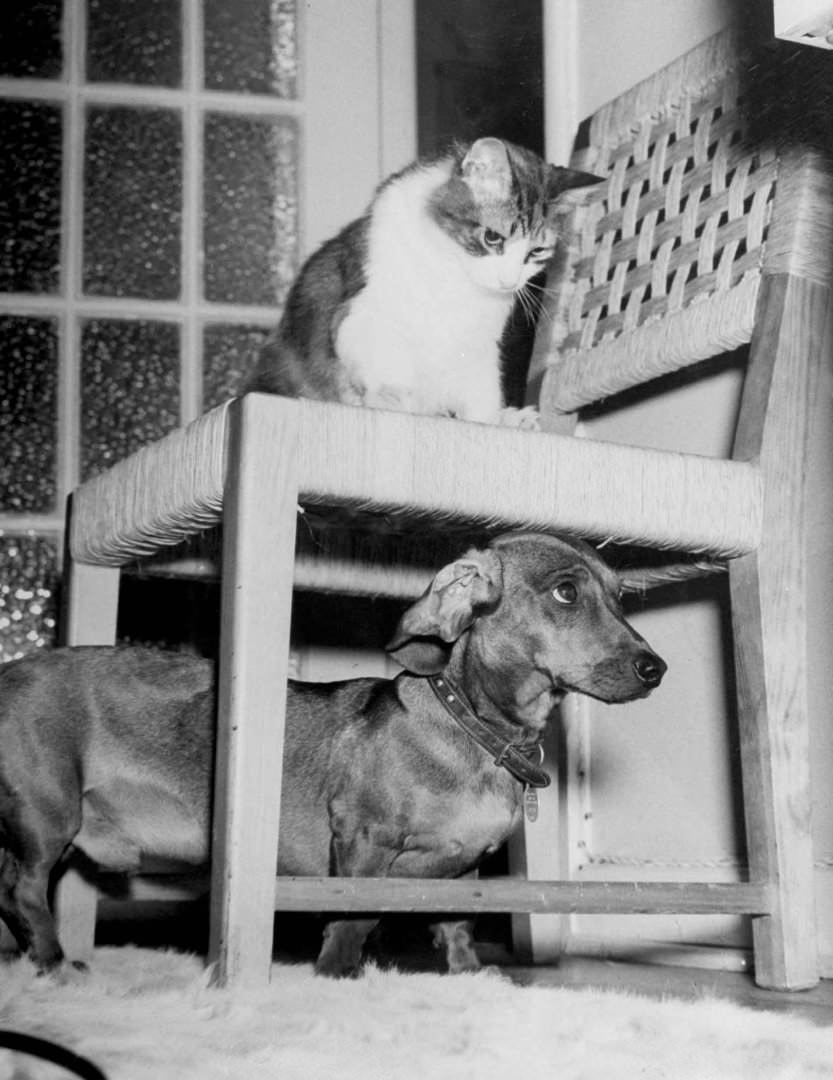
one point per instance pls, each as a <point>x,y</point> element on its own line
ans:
<point>65,972</point>
<point>494,971</point>
<point>463,965</point>
<point>337,967</point>
<point>458,942</point>
<point>525,419</point>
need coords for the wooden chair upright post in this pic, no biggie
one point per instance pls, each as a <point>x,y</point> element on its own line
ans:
<point>90,602</point>
<point>258,564</point>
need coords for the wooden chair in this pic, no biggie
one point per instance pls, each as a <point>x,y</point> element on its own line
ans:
<point>705,236</point>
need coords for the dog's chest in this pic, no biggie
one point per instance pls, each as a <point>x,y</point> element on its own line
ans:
<point>459,833</point>
<point>476,827</point>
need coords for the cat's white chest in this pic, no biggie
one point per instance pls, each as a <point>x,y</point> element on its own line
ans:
<point>422,336</point>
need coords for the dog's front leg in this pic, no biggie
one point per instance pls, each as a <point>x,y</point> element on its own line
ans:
<point>367,853</point>
<point>457,938</point>
<point>342,948</point>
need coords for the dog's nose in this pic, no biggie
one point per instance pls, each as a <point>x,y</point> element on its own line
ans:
<point>649,669</point>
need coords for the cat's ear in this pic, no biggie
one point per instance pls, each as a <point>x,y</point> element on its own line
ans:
<point>487,171</point>
<point>571,184</point>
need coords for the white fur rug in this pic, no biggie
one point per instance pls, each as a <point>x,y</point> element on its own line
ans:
<point>149,1015</point>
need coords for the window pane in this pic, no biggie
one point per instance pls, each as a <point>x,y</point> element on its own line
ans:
<point>129,388</point>
<point>27,593</point>
<point>133,42</point>
<point>28,414</point>
<point>30,44</point>
<point>250,224</point>
<point>132,202</point>
<point>30,197</point>
<point>229,354</point>
<point>250,46</point>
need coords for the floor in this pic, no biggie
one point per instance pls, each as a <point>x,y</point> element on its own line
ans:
<point>656,980</point>
<point>408,945</point>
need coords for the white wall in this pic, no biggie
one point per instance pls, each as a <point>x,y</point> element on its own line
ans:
<point>623,41</point>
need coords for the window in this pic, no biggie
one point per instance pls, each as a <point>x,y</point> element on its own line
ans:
<point>148,236</point>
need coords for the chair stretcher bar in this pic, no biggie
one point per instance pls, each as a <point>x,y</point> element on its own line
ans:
<point>519,895</point>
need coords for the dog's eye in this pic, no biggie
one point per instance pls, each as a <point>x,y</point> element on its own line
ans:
<point>565,592</point>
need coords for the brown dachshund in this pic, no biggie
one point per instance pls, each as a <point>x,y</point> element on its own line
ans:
<point>109,750</point>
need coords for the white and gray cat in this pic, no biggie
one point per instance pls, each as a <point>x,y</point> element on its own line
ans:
<point>405,308</point>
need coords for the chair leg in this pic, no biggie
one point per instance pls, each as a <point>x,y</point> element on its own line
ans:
<point>90,608</point>
<point>767,590</point>
<point>535,852</point>
<point>792,342</point>
<point>258,563</point>
<point>76,903</point>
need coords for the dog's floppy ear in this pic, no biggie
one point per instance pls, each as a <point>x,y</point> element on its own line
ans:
<point>422,641</point>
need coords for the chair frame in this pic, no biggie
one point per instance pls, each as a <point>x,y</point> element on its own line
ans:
<point>251,463</point>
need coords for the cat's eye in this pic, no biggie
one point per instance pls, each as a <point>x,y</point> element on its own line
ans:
<point>566,593</point>
<point>539,254</point>
<point>492,239</point>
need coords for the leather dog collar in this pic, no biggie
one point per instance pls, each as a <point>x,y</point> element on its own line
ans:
<point>515,757</point>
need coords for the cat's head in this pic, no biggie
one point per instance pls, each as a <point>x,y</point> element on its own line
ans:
<point>499,205</point>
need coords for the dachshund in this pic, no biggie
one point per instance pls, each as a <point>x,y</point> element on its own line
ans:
<point>110,750</point>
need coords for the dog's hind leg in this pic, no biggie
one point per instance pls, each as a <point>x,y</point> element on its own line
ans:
<point>9,873</point>
<point>29,854</point>
<point>24,907</point>
<point>31,903</point>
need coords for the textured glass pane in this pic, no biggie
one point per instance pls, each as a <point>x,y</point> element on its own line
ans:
<point>129,388</point>
<point>229,353</point>
<point>132,202</point>
<point>250,46</point>
<point>250,227</point>
<point>28,413</point>
<point>30,197</point>
<point>132,42</point>
<point>27,593</point>
<point>30,41</point>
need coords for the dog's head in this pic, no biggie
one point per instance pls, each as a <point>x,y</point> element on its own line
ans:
<point>536,611</point>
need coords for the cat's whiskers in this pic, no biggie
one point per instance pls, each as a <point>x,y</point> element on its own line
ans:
<point>544,290</point>
<point>528,303</point>
<point>532,301</point>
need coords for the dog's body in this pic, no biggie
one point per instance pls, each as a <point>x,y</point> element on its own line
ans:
<point>111,750</point>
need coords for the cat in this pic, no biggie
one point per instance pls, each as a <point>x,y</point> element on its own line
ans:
<point>405,308</point>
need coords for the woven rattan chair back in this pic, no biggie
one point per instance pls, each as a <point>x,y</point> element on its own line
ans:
<point>668,255</point>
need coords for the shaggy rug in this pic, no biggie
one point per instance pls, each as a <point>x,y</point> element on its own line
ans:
<point>150,1015</point>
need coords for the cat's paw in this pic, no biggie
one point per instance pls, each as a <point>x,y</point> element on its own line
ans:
<point>526,419</point>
